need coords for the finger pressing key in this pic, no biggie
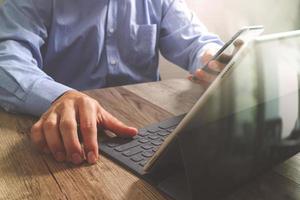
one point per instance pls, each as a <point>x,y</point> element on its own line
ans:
<point>111,123</point>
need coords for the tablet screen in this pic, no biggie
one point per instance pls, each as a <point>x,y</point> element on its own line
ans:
<point>250,122</point>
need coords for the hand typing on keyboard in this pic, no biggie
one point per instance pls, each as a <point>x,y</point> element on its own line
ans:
<point>56,131</point>
<point>138,150</point>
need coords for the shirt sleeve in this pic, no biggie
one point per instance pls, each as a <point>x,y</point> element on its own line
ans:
<point>24,87</point>
<point>183,38</point>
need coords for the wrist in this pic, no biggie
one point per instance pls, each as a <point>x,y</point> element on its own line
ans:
<point>66,93</point>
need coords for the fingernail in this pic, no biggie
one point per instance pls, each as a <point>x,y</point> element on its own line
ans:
<point>60,156</point>
<point>76,159</point>
<point>133,132</point>
<point>91,157</point>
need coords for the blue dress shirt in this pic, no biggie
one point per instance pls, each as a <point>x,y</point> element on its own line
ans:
<point>50,46</point>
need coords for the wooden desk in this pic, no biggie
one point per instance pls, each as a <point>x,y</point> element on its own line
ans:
<point>26,174</point>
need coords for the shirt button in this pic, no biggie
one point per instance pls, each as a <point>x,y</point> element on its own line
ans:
<point>111,30</point>
<point>113,62</point>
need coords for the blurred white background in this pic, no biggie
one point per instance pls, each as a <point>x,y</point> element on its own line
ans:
<point>225,17</point>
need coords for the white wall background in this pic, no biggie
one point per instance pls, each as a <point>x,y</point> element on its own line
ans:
<point>225,17</point>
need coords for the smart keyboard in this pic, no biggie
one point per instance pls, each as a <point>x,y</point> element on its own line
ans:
<point>135,152</point>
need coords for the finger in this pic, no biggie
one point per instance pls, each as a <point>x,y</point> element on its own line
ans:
<point>37,137</point>
<point>196,80</point>
<point>53,138</point>
<point>224,58</point>
<point>206,58</point>
<point>68,130</point>
<point>113,124</point>
<point>88,127</point>
<point>203,76</point>
<point>238,43</point>
<point>216,66</point>
<point>192,78</point>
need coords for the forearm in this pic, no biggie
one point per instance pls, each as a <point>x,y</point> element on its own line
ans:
<point>24,87</point>
<point>35,100</point>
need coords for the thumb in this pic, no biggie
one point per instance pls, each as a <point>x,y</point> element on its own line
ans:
<point>111,123</point>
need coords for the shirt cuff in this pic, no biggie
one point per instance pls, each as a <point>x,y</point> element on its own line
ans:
<point>42,94</point>
<point>198,64</point>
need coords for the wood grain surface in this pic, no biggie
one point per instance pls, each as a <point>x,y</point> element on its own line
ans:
<point>27,174</point>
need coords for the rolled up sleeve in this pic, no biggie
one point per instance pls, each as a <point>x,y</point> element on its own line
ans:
<point>24,87</point>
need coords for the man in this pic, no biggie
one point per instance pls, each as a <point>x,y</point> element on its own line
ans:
<point>51,49</point>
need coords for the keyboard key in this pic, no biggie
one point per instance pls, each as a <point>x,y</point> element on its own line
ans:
<point>155,149</point>
<point>137,158</point>
<point>148,154</point>
<point>163,133</point>
<point>171,129</point>
<point>112,144</point>
<point>157,142</point>
<point>136,137</point>
<point>126,146</point>
<point>147,146</point>
<point>153,129</point>
<point>143,132</point>
<point>143,140</point>
<point>169,124</point>
<point>117,141</point>
<point>143,163</point>
<point>132,151</point>
<point>153,137</point>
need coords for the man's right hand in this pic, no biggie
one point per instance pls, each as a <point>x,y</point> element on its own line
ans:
<point>56,131</point>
